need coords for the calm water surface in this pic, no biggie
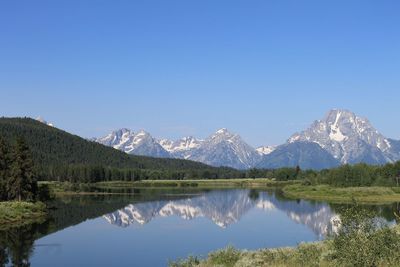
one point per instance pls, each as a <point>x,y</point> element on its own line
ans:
<point>150,227</point>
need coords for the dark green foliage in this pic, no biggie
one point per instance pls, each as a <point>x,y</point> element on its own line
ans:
<point>225,257</point>
<point>360,175</point>
<point>18,179</point>
<point>21,183</point>
<point>17,244</point>
<point>44,193</point>
<point>284,174</point>
<point>364,240</point>
<point>4,168</point>
<point>3,256</point>
<point>344,176</point>
<point>254,195</point>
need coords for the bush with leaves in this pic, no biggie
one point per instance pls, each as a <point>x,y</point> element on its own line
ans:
<point>365,240</point>
<point>226,257</point>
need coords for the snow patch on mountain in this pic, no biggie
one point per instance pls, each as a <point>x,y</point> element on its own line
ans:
<point>265,150</point>
<point>140,143</point>
<point>181,148</point>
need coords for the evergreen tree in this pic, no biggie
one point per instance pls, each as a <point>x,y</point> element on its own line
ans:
<point>22,184</point>
<point>4,168</point>
<point>298,170</point>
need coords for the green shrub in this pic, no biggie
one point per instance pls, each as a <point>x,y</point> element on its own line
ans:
<point>364,240</point>
<point>308,255</point>
<point>226,257</point>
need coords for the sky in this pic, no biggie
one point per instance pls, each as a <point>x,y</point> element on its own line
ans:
<point>263,69</point>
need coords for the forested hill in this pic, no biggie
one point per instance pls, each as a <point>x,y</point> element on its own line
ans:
<point>58,152</point>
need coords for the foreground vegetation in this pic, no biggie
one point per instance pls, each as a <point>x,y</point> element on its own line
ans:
<point>365,195</point>
<point>362,240</point>
<point>15,213</point>
<point>19,190</point>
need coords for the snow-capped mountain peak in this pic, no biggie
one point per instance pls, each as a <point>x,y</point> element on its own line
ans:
<point>222,131</point>
<point>347,137</point>
<point>265,150</point>
<point>185,143</point>
<point>117,139</point>
<point>224,148</point>
<point>140,143</point>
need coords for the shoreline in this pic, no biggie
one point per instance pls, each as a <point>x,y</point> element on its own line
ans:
<point>16,214</point>
<point>343,195</point>
<point>292,189</point>
<point>304,254</point>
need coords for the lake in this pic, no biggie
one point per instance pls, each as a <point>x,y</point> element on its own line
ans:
<point>148,227</point>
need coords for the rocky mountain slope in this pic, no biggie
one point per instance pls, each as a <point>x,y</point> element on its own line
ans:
<point>226,149</point>
<point>140,143</point>
<point>307,155</point>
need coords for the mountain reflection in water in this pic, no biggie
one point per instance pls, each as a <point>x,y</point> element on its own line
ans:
<point>227,207</point>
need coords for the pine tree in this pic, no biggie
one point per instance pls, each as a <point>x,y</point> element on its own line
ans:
<point>4,168</point>
<point>22,184</point>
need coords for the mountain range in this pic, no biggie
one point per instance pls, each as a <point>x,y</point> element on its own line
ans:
<point>341,137</point>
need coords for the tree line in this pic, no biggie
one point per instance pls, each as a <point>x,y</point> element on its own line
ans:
<point>343,176</point>
<point>358,175</point>
<point>84,173</point>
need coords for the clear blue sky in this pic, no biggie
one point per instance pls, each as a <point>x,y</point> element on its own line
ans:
<point>264,69</point>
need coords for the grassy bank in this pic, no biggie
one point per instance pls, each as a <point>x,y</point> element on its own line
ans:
<point>367,195</point>
<point>375,253</point>
<point>303,255</point>
<point>206,183</point>
<point>14,214</point>
<point>291,189</point>
<point>60,188</point>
